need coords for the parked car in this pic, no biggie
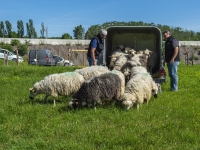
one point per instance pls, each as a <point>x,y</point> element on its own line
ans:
<point>59,61</point>
<point>11,56</point>
<point>41,57</point>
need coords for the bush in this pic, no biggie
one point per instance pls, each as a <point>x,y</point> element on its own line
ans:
<point>22,49</point>
<point>14,42</point>
<point>7,46</point>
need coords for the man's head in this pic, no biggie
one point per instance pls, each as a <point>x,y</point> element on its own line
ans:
<point>166,34</point>
<point>103,33</point>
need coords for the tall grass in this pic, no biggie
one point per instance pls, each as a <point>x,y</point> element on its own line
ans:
<point>171,121</point>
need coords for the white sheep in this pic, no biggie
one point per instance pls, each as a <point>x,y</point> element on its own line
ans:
<point>57,84</point>
<point>138,69</point>
<point>139,88</point>
<point>92,71</point>
<point>120,62</point>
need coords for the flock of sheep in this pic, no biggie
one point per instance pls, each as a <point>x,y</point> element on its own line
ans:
<point>127,81</point>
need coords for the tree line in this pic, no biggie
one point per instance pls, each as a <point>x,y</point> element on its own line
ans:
<point>80,33</point>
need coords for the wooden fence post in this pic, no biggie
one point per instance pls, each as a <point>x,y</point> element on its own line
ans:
<point>17,57</point>
<point>6,58</point>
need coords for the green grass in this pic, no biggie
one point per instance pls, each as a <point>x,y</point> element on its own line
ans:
<point>171,121</point>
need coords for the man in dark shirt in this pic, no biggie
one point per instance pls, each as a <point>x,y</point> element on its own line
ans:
<point>172,58</point>
<point>95,47</point>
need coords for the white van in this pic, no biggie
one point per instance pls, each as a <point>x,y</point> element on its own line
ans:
<point>11,56</point>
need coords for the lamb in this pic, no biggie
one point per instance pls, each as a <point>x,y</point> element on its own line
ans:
<point>139,88</point>
<point>106,86</point>
<point>92,71</point>
<point>57,84</point>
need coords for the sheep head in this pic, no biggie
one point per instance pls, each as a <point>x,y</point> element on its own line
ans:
<point>33,93</point>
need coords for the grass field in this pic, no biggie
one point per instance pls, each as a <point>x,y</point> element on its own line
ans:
<point>171,121</point>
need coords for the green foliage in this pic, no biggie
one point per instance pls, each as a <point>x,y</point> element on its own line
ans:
<point>28,42</point>
<point>20,29</point>
<point>79,32</point>
<point>7,46</point>
<point>9,29</point>
<point>42,30</point>
<point>22,49</point>
<point>31,33</point>
<point>196,48</point>
<point>66,36</point>
<point>171,121</point>
<point>14,42</point>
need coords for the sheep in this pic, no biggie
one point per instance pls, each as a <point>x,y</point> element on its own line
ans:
<point>138,69</point>
<point>120,62</point>
<point>139,88</point>
<point>92,71</point>
<point>105,86</point>
<point>116,54</point>
<point>57,84</point>
<point>122,79</point>
<point>152,61</point>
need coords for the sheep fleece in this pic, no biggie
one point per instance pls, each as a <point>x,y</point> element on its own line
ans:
<point>105,86</point>
<point>59,84</point>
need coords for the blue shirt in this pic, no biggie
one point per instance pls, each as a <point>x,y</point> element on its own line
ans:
<point>94,43</point>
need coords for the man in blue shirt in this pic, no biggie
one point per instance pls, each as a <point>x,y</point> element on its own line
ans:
<point>95,47</point>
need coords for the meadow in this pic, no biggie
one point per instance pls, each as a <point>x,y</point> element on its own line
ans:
<point>171,121</point>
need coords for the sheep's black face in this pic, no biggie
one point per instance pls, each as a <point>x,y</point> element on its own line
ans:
<point>154,92</point>
<point>32,93</point>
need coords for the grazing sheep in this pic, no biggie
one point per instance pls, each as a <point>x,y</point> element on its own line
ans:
<point>105,86</point>
<point>122,78</point>
<point>139,88</point>
<point>92,71</point>
<point>57,84</point>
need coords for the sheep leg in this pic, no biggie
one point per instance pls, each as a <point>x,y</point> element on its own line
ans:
<point>138,105</point>
<point>45,99</point>
<point>54,102</point>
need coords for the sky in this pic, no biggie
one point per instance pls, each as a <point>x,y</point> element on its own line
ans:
<point>62,16</point>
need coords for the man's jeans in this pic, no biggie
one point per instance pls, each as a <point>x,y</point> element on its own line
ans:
<point>172,70</point>
<point>91,61</point>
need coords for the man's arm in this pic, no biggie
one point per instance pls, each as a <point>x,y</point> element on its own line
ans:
<point>174,54</point>
<point>93,56</point>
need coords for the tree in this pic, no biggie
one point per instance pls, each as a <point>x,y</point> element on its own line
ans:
<point>92,31</point>
<point>79,32</point>
<point>2,29</point>
<point>66,36</point>
<point>31,33</point>
<point>9,29</point>
<point>42,30</point>
<point>20,27</point>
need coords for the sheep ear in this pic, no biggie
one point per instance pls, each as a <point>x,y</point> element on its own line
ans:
<point>30,89</point>
<point>76,103</point>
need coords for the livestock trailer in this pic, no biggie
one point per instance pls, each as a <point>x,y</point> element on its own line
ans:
<point>138,38</point>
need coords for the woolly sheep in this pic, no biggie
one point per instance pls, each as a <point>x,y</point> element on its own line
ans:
<point>57,84</point>
<point>152,61</point>
<point>120,62</point>
<point>92,71</point>
<point>137,70</point>
<point>139,88</point>
<point>105,86</point>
